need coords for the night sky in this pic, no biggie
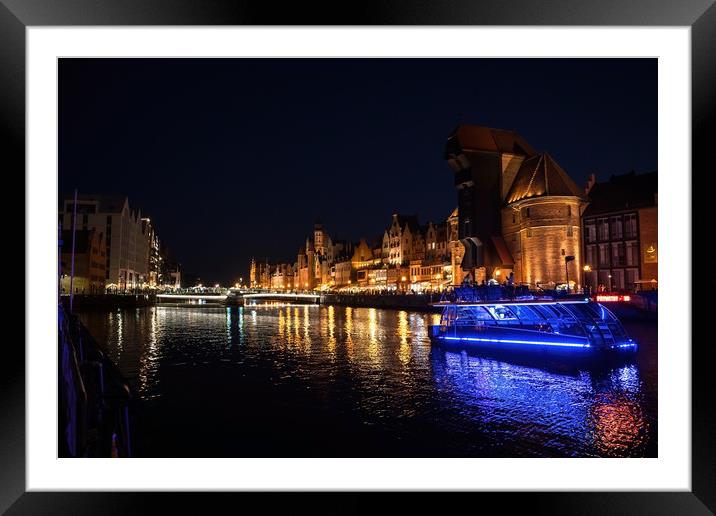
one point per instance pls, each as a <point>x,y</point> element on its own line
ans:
<point>234,158</point>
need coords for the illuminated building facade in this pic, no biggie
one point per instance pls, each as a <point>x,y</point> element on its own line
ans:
<point>127,238</point>
<point>541,225</point>
<point>363,256</point>
<point>621,244</point>
<point>404,239</point>
<point>89,262</point>
<point>252,274</point>
<point>282,276</point>
<point>518,211</point>
<point>436,242</point>
<point>455,247</point>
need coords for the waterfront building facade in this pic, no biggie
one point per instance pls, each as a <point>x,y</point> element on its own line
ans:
<point>282,277</point>
<point>541,225</point>
<point>436,242</point>
<point>89,262</point>
<point>455,248</point>
<point>518,211</point>
<point>343,274</point>
<point>127,238</point>
<point>620,233</point>
<point>403,238</point>
<point>363,256</point>
<point>252,274</point>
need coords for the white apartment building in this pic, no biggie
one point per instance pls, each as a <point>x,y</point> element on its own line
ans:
<point>128,238</point>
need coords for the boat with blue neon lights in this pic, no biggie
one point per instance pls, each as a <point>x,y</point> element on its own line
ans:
<point>496,319</point>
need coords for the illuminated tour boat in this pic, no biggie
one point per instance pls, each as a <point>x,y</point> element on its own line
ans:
<point>473,319</point>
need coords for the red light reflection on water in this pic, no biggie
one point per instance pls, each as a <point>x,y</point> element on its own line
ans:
<point>619,427</point>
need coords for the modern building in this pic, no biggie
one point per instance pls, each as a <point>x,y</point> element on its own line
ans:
<point>127,237</point>
<point>518,211</point>
<point>621,245</point>
<point>89,262</point>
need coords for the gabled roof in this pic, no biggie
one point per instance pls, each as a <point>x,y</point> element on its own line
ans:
<point>623,192</point>
<point>540,176</point>
<point>481,138</point>
<point>410,221</point>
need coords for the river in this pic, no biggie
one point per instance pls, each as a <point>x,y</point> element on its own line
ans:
<point>327,381</point>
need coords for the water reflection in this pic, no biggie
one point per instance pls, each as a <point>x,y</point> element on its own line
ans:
<point>331,342</point>
<point>377,369</point>
<point>403,332</point>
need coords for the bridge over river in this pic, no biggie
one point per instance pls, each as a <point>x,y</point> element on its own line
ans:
<point>235,297</point>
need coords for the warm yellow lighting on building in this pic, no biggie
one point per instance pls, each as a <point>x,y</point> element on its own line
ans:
<point>402,279</point>
<point>349,282</point>
<point>587,268</point>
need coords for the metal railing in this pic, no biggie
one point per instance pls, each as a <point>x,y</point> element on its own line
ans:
<point>94,399</point>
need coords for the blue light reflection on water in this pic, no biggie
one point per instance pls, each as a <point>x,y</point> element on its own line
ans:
<point>329,371</point>
<point>580,412</point>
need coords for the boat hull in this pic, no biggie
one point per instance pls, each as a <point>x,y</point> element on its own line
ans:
<point>523,341</point>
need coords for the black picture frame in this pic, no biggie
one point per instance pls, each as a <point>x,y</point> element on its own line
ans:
<point>699,15</point>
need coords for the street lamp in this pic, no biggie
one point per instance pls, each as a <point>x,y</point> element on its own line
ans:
<point>567,259</point>
<point>587,283</point>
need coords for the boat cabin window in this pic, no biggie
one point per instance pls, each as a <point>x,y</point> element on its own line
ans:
<point>527,314</point>
<point>502,313</point>
<point>470,315</point>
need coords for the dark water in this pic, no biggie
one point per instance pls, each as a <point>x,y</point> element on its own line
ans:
<point>277,380</point>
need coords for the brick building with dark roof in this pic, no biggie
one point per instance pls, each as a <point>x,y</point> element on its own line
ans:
<point>519,211</point>
<point>621,232</point>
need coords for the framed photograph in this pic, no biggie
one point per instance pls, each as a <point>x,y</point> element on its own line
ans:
<point>409,249</point>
